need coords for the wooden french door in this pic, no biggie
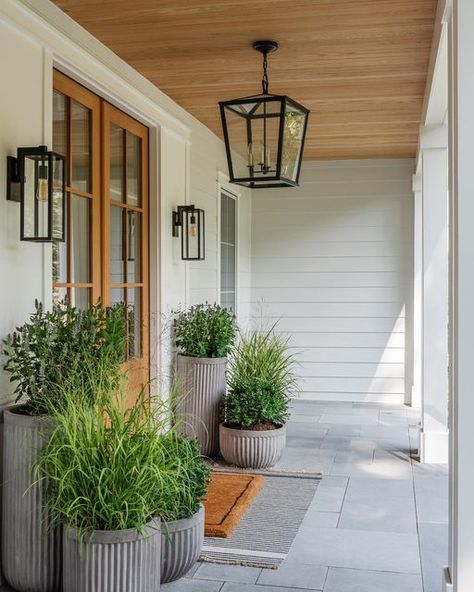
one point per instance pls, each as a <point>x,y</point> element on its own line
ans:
<point>105,255</point>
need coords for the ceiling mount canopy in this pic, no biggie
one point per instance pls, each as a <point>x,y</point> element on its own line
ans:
<point>264,134</point>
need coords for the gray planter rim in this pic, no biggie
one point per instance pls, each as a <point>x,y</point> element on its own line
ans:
<point>175,525</point>
<point>256,433</point>
<point>26,420</point>
<point>110,537</point>
<point>196,360</point>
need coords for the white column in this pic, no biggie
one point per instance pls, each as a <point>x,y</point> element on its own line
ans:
<point>434,444</point>
<point>462,298</point>
<point>417,293</point>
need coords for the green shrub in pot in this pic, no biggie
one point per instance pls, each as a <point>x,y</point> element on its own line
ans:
<point>54,348</point>
<point>204,336</point>
<point>255,409</point>
<point>181,510</point>
<point>204,331</point>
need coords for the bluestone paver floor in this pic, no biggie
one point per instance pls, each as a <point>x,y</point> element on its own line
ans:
<point>378,520</point>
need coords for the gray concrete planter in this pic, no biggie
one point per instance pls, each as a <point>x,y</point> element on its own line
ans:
<point>31,548</point>
<point>251,449</point>
<point>181,545</point>
<point>202,386</point>
<point>112,561</point>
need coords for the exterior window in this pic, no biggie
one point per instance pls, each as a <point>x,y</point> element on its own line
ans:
<point>228,251</point>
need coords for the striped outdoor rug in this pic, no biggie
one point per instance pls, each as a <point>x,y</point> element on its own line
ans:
<point>266,532</point>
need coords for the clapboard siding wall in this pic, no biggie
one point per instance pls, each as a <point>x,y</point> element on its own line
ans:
<point>332,263</point>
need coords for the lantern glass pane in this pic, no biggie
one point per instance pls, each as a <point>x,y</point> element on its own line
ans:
<point>36,204</point>
<point>193,234</point>
<point>58,199</point>
<point>294,127</point>
<point>237,133</point>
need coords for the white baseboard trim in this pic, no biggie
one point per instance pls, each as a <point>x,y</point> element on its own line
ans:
<point>434,447</point>
<point>447,585</point>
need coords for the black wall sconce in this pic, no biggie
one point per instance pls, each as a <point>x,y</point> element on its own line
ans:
<point>36,179</point>
<point>193,232</point>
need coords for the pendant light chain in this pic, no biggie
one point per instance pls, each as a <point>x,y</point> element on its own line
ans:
<point>265,75</point>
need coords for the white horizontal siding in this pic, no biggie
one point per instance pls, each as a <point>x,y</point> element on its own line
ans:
<point>331,265</point>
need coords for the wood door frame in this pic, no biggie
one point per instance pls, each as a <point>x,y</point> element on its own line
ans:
<point>111,114</point>
<point>74,91</point>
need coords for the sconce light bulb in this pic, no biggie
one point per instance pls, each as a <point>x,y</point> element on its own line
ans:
<point>192,230</point>
<point>42,190</point>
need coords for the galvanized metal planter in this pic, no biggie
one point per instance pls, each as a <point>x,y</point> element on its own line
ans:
<point>181,545</point>
<point>112,561</point>
<point>252,449</point>
<point>202,386</point>
<point>31,548</point>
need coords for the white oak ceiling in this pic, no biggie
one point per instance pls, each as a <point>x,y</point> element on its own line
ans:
<point>360,66</point>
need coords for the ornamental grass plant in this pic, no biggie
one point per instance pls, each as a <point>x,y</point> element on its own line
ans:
<point>113,468</point>
<point>261,380</point>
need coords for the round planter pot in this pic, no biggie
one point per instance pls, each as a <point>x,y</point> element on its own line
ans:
<point>252,449</point>
<point>31,548</point>
<point>202,386</point>
<point>112,561</point>
<point>181,546</point>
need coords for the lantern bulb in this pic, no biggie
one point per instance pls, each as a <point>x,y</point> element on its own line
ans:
<point>192,230</point>
<point>42,190</point>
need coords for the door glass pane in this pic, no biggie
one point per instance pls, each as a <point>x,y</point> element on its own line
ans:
<point>81,151</point>
<point>117,245</point>
<point>134,313</point>
<point>59,123</point>
<point>80,272</point>
<point>80,297</point>
<point>134,244</point>
<point>116,163</point>
<point>133,170</point>
<point>117,295</point>
<point>59,295</point>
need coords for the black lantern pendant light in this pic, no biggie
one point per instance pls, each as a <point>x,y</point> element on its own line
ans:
<point>264,134</point>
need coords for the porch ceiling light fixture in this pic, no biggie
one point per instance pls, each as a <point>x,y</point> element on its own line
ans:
<point>191,221</point>
<point>264,134</point>
<point>36,179</point>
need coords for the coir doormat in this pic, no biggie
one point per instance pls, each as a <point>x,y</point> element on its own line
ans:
<point>229,497</point>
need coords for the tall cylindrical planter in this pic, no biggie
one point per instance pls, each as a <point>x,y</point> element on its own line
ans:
<point>252,449</point>
<point>112,561</point>
<point>202,385</point>
<point>181,545</point>
<point>31,548</point>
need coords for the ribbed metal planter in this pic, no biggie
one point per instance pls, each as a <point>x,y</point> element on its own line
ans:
<point>203,384</point>
<point>112,561</point>
<point>31,548</point>
<point>181,545</point>
<point>252,449</point>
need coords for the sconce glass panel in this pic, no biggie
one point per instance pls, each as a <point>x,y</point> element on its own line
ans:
<point>193,234</point>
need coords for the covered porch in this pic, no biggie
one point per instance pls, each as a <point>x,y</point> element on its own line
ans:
<point>364,267</point>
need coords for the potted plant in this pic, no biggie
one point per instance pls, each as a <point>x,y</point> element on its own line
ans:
<point>43,356</point>
<point>255,410</point>
<point>204,335</point>
<point>185,477</point>
<point>103,466</point>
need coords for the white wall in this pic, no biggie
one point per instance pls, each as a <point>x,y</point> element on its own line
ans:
<point>332,263</point>
<point>23,274</point>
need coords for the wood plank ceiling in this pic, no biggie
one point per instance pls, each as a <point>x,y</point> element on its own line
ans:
<point>360,66</point>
